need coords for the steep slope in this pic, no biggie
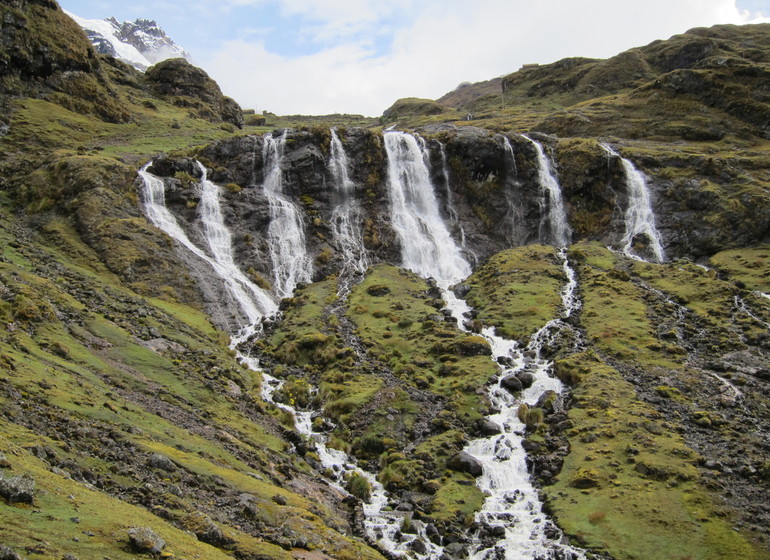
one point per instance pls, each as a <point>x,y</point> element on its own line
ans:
<point>127,419</point>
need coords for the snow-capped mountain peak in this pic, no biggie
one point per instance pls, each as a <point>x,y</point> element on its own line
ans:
<point>140,43</point>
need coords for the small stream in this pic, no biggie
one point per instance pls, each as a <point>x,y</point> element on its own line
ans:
<point>513,510</point>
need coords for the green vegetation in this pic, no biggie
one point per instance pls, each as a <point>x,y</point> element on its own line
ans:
<point>518,290</point>
<point>628,476</point>
<point>124,407</point>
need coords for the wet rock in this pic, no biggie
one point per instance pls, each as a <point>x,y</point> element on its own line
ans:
<point>527,379</point>
<point>432,533</point>
<point>511,383</point>
<point>463,462</point>
<point>456,551</point>
<point>145,541</point>
<point>418,546</point>
<point>461,290</point>
<point>489,428</point>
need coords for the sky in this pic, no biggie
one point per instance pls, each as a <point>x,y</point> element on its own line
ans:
<point>359,56</point>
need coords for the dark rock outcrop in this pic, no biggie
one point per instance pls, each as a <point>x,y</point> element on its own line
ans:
<point>189,86</point>
<point>466,463</point>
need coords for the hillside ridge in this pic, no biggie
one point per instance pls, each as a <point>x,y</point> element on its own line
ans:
<point>133,422</point>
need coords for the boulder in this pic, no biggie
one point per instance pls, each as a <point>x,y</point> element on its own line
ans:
<point>144,540</point>
<point>205,529</point>
<point>462,462</point>
<point>527,379</point>
<point>17,489</point>
<point>489,428</point>
<point>511,383</point>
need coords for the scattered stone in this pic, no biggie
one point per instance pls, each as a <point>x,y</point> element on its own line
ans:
<point>7,553</point>
<point>4,462</point>
<point>203,527</point>
<point>586,478</point>
<point>280,500</point>
<point>378,290</point>
<point>233,389</point>
<point>145,541</point>
<point>160,461</point>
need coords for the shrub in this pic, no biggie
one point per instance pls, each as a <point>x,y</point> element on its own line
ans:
<point>596,517</point>
<point>359,487</point>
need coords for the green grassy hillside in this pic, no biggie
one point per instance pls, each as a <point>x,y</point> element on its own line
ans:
<point>123,407</point>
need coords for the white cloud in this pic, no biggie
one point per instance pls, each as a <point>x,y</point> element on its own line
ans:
<point>447,42</point>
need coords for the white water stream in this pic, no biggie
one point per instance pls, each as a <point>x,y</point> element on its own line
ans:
<point>427,247</point>
<point>552,209</point>
<point>513,502</point>
<point>639,217</point>
<point>252,300</point>
<point>286,232</point>
<point>513,214</point>
<point>346,216</point>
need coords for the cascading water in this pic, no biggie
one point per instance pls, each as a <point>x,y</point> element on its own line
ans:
<point>513,502</point>
<point>346,216</point>
<point>253,302</point>
<point>427,247</point>
<point>450,208</point>
<point>559,230</point>
<point>286,232</point>
<point>513,215</point>
<point>382,527</point>
<point>639,218</point>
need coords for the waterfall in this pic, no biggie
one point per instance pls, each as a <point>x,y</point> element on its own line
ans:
<point>513,503</point>
<point>346,216</point>
<point>253,306</point>
<point>509,155</point>
<point>639,218</point>
<point>254,301</point>
<point>556,216</point>
<point>427,248</point>
<point>451,211</point>
<point>513,215</point>
<point>286,233</point>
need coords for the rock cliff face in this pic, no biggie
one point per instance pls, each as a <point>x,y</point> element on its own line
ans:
<point>492,194</point>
